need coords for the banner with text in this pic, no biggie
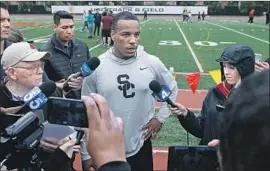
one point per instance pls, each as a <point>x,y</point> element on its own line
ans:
<point>133,9</point>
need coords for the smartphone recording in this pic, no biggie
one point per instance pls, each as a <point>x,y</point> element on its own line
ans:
<point>71,112</point>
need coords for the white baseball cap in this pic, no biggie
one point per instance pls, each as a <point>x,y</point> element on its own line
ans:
<point>21,52</point>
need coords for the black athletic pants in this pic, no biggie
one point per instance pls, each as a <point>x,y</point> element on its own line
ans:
<point>143,160</point>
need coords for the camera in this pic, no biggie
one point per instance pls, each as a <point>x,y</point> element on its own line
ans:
<point>19,143</point>
<point>192,158</point>
<point>20,134</point>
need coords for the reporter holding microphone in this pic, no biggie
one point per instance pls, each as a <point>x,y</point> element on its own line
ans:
<point>68,55</point>
<point>237,62</point>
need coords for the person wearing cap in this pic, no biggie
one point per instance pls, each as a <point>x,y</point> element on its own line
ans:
<point>237,62</point>
<point>23,65</point>
<point>24,68</point>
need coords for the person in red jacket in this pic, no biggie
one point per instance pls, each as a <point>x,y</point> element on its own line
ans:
<point>251,16</point>
<point>106,28</point>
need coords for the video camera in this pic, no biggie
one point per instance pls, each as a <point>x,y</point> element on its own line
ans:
<point>19,143</point>
<point>192,158</point>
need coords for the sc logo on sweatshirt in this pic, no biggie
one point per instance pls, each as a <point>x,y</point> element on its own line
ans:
<point>125,85</point>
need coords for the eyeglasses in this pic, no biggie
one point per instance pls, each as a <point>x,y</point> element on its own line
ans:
<point>34,68</point>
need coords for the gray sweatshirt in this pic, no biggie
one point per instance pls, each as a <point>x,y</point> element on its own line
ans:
<point>125,85</point>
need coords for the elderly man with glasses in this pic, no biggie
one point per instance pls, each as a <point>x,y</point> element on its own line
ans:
<point>24,68</point>
<point>23,64</point>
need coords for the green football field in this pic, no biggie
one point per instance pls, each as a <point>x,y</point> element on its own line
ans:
<point>191,47</point>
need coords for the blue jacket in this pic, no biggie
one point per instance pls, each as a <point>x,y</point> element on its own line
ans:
<point>90,19</point>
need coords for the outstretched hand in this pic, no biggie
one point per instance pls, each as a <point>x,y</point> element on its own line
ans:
<point>105,133</point>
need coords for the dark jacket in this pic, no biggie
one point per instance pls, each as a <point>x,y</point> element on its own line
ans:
<point>62,64</point>
<point>52,161</point>
<point>56,162</point>
<point>205,126</point>
<point>6,101</point>
<point>97,17</point>
<point>115,166</point>
<point>7,43</point>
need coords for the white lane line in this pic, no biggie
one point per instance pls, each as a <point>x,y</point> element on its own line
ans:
<point>244,34</point>
<point>189,47</point>
<point>95,47</point>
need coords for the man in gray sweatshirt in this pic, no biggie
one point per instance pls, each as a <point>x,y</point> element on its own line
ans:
<point>123,78</point>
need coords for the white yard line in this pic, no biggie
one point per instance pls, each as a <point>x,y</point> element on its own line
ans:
<point>30,28</point>
<point>95,47</point>
<point>189,47</point>
<point>227,43</point>
<point>145,21</point>
<point>198,91</point>
<point>255,25</point>
<point>186,73</point>
<point>40,37</point>
<point>233,30</point>
<point>160,151</point>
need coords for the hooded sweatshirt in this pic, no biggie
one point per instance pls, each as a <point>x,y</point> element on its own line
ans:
<point>125,86</point>
<point>207,125</point>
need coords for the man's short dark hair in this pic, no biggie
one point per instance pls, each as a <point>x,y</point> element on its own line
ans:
<point>123,16</point>
<point>3,5</point>
<point>61,15</point>
<point>245,128</point>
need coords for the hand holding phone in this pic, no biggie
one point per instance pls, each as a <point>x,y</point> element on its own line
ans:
<point>261,66</point>
<point>258,57</point>
<point>71,112</point>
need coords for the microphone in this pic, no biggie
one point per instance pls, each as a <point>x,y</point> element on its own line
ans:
<point>161,93</point>
<point>37,97</point>
<point>79,136</point>
<point>20,124</point>
<point>86,70</point>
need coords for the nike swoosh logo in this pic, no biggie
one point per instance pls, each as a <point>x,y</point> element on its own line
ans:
<point>143,68</point>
